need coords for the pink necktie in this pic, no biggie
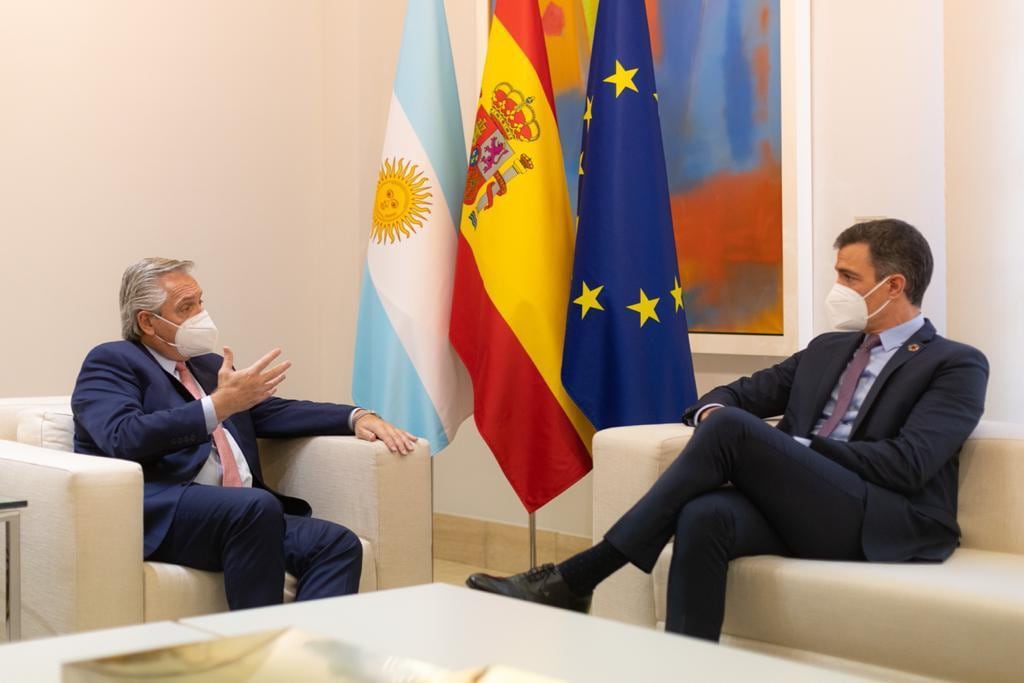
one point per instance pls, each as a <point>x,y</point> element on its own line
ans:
<point>220,439</point>
<point>848,384</point>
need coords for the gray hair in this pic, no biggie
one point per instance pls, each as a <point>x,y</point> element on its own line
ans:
<point>141,290</point>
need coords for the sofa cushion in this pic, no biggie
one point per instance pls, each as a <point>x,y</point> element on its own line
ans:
<point>47,427</point>
<point>173,591</point>
<point>936,619</point>
<point>10,408</point>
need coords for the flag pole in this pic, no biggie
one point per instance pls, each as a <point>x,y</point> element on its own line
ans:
<point>432,499</point>
<point>533,541</point>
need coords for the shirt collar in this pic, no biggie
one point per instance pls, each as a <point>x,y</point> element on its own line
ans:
<point>171,366</point>
<point>894,337</point>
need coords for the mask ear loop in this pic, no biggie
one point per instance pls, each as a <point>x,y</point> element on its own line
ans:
<point>179,326</point>
<point>169,323</point>
<point>877,310</point>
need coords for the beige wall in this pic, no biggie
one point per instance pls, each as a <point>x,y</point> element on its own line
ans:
<point>242,134</point>
<point>984,200</point>
<point>878,128</point>
<point>190,129</point>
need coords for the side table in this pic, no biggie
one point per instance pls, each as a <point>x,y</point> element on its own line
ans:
<point>10,515</point>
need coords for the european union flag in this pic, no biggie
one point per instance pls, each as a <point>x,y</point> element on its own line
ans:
<point>627,357</point>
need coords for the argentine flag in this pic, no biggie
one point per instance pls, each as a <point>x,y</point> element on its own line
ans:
<point>405,367</point>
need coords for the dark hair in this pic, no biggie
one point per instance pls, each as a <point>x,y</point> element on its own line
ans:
<point>895,247</point>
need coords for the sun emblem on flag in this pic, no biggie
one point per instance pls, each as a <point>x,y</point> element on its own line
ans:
<point>402,201</point>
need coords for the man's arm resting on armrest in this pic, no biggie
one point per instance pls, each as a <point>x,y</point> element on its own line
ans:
<point>764,394</point>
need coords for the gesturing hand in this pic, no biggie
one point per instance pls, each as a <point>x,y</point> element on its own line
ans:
<point>239,390</point>
<point>369,427</point>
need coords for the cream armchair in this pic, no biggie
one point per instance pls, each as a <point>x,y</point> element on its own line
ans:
<point>81,535</point>
<point>962,619</point>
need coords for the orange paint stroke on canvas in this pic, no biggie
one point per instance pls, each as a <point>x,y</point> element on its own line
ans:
<point>654,22</point>
<point>727,229</point>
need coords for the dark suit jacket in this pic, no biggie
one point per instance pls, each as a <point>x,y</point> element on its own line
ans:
<point>905,442</point>
<point>126,406</point>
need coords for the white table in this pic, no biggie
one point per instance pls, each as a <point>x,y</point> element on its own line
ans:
<point>40,661</point>
<point>441,624</point>
<point>459,628</point>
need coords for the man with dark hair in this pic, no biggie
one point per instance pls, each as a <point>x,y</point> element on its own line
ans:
<point>862,465</point>
<point>894,247</point>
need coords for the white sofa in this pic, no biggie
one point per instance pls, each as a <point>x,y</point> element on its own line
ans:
<point>962,619</point>
<point>81,534</point>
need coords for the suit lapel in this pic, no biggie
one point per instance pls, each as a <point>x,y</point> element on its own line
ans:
<point>831,371</point>
<point>917,343</point>
<point>207,380</point>
<point>178,386</point>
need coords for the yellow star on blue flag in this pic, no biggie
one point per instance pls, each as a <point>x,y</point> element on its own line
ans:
<point>588,300</point>
<point>622,79</point>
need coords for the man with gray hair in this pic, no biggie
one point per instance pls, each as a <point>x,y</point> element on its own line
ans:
<point>163,398</point>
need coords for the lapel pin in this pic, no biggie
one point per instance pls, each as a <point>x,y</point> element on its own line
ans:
<point>914,347</point>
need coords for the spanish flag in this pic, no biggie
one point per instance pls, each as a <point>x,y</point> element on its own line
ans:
<point>514,267</point>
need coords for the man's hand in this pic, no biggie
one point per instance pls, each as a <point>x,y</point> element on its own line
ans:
<point>239,390</point>
<point>369,427</point>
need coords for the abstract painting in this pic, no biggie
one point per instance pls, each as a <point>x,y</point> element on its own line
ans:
<point>718,75</point>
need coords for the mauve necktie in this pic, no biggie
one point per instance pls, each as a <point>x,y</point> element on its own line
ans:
<point>220,439</point>
<point>848,383</point>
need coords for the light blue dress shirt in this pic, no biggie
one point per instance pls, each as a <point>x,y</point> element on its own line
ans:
<point>892,339</point>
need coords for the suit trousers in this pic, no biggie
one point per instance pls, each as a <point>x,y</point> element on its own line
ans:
<point>784,499</point>
<point>245,533</point>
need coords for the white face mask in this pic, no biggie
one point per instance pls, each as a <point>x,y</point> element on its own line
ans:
<point>848,310</point>
<point>195,336</point>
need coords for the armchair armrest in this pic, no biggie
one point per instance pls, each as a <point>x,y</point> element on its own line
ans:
<point>81,538</point>
<point>383,497</point>
<point>627,461</point>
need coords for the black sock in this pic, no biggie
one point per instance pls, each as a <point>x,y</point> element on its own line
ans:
<point>583,571</point>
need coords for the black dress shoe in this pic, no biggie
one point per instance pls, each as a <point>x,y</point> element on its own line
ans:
<point>543,584</point>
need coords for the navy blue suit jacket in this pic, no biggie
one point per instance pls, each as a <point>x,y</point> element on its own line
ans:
<point>905,441</point>
<point>126,406</point>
